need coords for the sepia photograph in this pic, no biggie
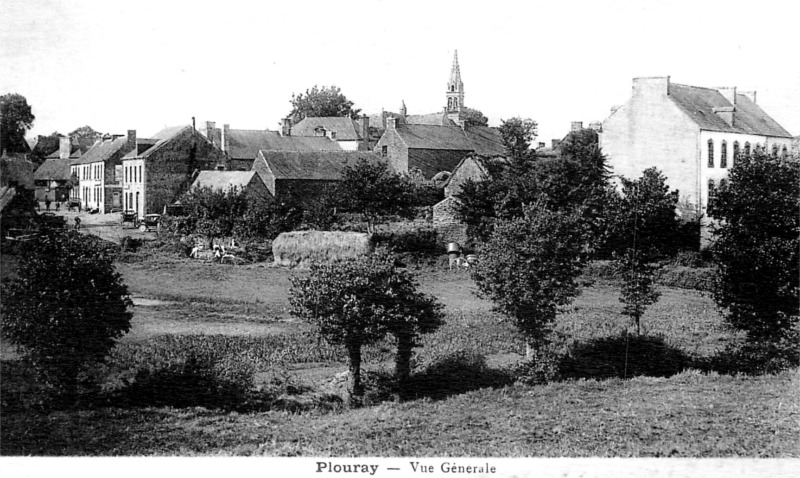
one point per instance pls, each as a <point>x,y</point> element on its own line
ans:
<point>399,238</point>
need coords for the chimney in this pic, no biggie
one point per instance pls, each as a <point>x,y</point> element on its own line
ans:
<point>576,126</point>
<point>210,125</point>
<point>729,93</point>
<point>131,145</point>
<point>224,141</point>
<point>64,147</point>
<point>541,145</point>
<point>751,95</point>
<point>391,123</point>
<point>365,131</point>
<point>286,129</point>
<point>651,86</point>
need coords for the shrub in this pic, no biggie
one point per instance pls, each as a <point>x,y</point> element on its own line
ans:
<point>420,240</point>
<point>452,372</point>
<point>66,308</point>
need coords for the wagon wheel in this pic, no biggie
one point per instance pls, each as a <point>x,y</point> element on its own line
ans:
<point>142,228</point>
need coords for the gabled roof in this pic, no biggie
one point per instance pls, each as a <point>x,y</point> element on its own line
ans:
<point>54,169</point>
<point>485,140</point>
<point>699,103</point>
<point>76,151</point>
<point>316,165</point>
<point>346,129</point>
<point>160,138</point>
<point>417,136</point>
<point>102,150</point>
<point>245,144</point>
<point>223,180</point>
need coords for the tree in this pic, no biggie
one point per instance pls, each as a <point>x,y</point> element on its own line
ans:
<point>643,217</point>
<point>67,306</point>
<point>373,190</point>
<point>518,135</point>
<point>638,285</point>
<point>757,246</point>
<point>16,118</point>
<point>529,267</point>
<point>473,117</point>
<point>325,101</point>
<point>85,135</point>
<point>357,302</point>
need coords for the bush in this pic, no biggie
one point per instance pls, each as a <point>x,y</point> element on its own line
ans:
<point>66,308</point>
<point>420,240</point>
<point>452,372</point>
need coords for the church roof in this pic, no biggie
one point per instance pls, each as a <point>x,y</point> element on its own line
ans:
<point>485,140</point>
<point>436,119</point>
<point>418,136</point>
<point>699,103</point>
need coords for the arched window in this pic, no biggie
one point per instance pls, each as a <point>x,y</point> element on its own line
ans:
<point>784,152</point>
<point>747,148</point>
<point>710,153</point>
<point>774,150</point>
<point>735,151</point>
<point>723,155</point>
<point>455,103</point>
<point>712,194</point>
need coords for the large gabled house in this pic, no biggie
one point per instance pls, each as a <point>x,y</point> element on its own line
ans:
<point>692,134</point>
<point>158,172</point>
<point>98,172</point>
<point>432,148</point>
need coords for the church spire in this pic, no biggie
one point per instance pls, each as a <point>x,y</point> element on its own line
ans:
<point>455,91</point>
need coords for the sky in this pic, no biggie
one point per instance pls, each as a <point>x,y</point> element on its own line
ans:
<point>119,65</point>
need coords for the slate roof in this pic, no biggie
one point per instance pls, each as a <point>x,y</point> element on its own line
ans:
<point>245,144</point>
<point>346,129</point>
<point>102,150</point>
<point>417,136</point>
<point>314,165</point>
<point>223,180</point>
<point>485,140</point>
<point>54,169</point>
<point>432,119</point>
<point>75,152</point>
<point>160,138</point>
<point>699,104</point>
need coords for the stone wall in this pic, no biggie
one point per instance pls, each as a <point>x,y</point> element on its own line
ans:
<point>446,222</point>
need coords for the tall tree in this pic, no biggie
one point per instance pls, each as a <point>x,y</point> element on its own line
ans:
<point>473,117</point>
<point>325,101</point>
<point>373,190</point>
<point>16,118</point>
<point>518,135</point>
<point>757,246</point>
<point>85,135</point>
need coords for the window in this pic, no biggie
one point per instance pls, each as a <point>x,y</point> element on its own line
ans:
<point>774,150</point>
<point>712,193</point>
<point>710,153</point>
<point>723,155</point>
<point>784,152</point>
<point>140,174</point>
<point>384,150</point>
<point>747,148</point>
<point>735,151</point>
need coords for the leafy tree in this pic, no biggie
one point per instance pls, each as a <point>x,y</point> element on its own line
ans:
<point>325,101</point>
<point>518,135</point>
<point>757,246</point>
<point>16,118</point>
<point>473,117</point>
<point>85,135</point>
<point>373,190</point>
<point>638,285</point>
<point>67,306</point>
<point>45,146</point>
<point>529,267</point>
<point>357,302</point>
<point>643,217</point>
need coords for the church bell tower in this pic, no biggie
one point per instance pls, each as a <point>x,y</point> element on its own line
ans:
<point>455,92</point>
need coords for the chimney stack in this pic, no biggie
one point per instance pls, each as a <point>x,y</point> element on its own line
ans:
<point>576,126</point>
<point>64,147</point>
<point>541,145</point>
<point>651,86</point>
<point>365,131</point>
<point>131,145</point>
<point>391,123</point>
<point>286,129</point>
<point>225,138</point>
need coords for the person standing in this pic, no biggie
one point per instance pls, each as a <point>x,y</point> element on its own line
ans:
<point>47,203</point>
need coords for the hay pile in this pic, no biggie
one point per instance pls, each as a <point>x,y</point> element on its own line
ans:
<point>303,248</point>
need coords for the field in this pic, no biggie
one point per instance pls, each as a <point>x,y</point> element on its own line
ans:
<point>616,396</point>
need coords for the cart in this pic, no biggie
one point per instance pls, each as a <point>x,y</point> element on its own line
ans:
<point>130,218</point>
<point>149,221</point>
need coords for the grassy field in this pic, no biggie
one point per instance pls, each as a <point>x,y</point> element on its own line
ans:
<point>465,407</point>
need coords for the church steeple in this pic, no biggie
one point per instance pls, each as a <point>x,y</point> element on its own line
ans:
<point>455,91</point>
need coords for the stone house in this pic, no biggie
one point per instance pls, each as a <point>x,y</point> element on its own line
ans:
<point>692,134</point>
<point>159,171</point>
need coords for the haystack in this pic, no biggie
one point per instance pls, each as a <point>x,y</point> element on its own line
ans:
<point>303,248</point>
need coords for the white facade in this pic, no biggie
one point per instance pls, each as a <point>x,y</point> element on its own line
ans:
<point>133,190</point>
<point>91,185</point>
